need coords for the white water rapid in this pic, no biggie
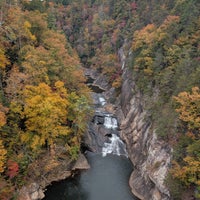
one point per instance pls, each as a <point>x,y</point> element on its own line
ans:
<point>110,122</point>
<point>102,101</point>
<point>114,145</point>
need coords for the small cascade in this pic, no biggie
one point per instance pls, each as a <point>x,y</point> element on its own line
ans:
<point>123,64</point>
<point>104,130</point>
<point>102,101</point>
<point>110,122</point>
<point>116,146</point>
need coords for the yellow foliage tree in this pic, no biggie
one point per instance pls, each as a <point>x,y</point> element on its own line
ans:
<point>189,107</point>
<point>35,62</point>
<point>45,111</point>
<point>3,151</point>
<point>145,36</point>
<point>2,115</point>
<point>17,28</point>
<point>3,59</point>
<point>189,173</point>
<point>27,27</point>
<point>148,40</point>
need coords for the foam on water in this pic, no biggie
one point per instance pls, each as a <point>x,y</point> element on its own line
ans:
<point>110,122</point>
<point>115,146</point>
<point>102,101</point>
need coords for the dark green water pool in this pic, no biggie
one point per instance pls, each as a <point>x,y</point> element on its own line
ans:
<point>106,180</point>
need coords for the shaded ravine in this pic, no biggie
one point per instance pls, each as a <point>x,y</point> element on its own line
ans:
<point>110,169</point>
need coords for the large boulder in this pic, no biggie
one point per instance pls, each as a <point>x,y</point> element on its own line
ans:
<point>81,163</point>
<point>31,192</point>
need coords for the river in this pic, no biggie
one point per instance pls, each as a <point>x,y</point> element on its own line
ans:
<point>108,177</point>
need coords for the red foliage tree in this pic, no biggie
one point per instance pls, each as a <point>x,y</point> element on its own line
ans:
<point>13,168</point>
<point>133,6</point>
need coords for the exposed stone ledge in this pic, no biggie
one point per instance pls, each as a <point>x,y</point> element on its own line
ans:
<point>31,192</point>
<point>35,190</point>
<point>81,163</point>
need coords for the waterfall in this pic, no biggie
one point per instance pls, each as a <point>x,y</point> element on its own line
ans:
<point>102,101</point>
<point>110,122</point>
<point>106,138</point>
<point>116,146</point>
<point>123,64</point>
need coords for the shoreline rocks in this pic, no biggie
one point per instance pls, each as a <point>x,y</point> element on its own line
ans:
<point>36,189</point>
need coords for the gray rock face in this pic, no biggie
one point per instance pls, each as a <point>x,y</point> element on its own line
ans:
<point>34,191</point>
<point>150,156</point>
<point>97,134</point>
<point>99,79</point>
<point>81,163</point>
<point>31,192</point>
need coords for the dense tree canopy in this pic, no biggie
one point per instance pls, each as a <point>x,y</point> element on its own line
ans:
<point>44,101</point>
<point>45,112</point>
<point>189,108</point>
<point>39,72</point>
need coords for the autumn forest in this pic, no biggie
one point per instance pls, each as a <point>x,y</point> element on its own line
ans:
<point>45,103</point>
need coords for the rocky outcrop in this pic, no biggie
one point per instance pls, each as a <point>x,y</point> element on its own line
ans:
<point>150,156</point>
<point>31,192</point>
<point>97,79</point>
<point>61,170</point>
<point>97,134</point>
<point>81,163</point>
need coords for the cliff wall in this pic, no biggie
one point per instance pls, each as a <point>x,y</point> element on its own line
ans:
<point>150,156</point>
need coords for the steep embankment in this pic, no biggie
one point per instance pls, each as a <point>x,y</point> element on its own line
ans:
<point>150,156</point>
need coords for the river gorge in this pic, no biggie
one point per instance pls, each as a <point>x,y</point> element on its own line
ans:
<point>122,158</point>
<point>119,132</point>
<point>99,100</point>
<point>121,127</point>
<point>110,167</point>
